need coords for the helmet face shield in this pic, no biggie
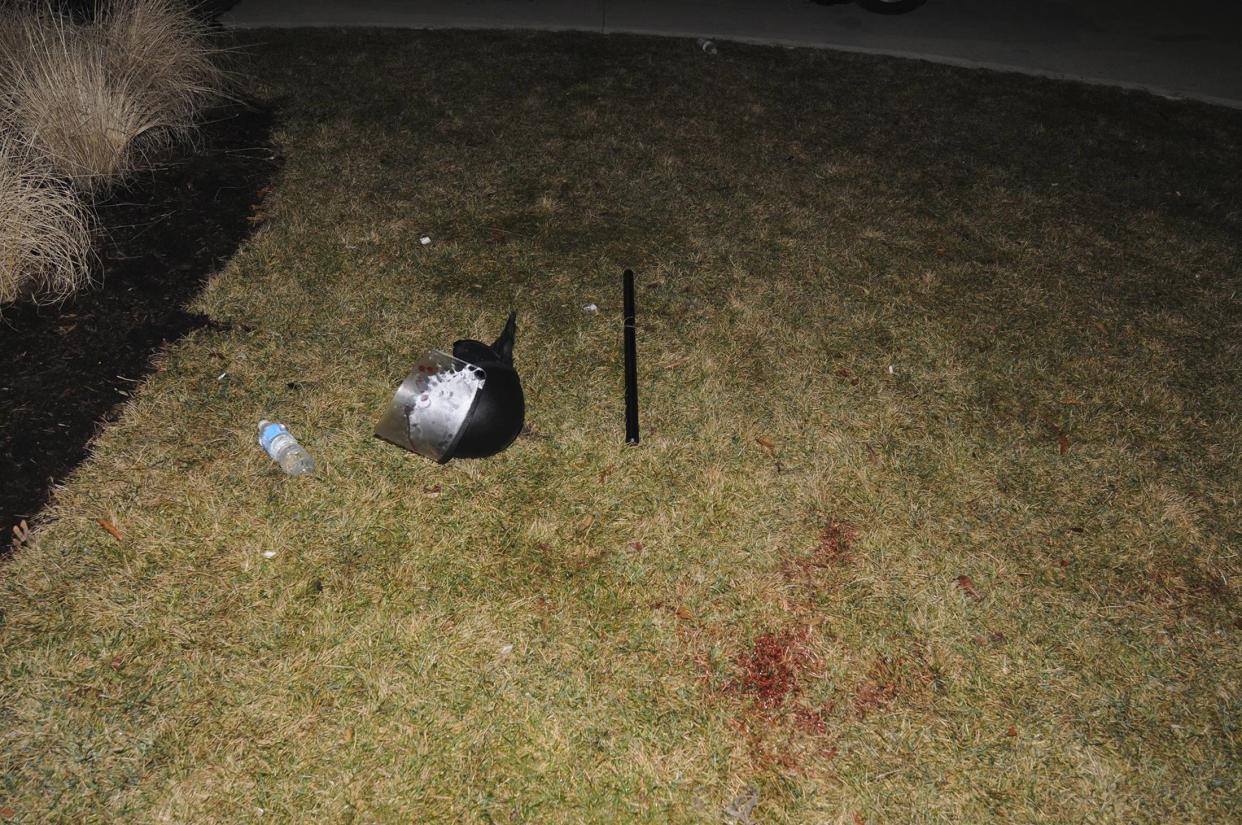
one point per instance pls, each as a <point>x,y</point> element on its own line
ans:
<point>429,411</point>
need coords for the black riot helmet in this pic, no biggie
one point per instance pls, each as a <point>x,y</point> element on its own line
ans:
<point>465,405</point>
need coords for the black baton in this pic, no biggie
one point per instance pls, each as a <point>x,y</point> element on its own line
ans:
<point>631,363</point>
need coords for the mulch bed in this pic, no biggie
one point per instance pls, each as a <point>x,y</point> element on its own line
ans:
<point>69,366</point>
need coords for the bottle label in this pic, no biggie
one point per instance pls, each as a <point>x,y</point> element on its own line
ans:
<point>269,434</point>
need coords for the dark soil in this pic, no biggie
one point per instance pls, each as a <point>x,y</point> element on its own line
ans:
<point>67,367</point>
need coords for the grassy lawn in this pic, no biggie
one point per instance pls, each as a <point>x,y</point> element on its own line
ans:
<point>936,516</point>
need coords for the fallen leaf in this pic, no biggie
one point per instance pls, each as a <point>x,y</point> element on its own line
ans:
<point>1013,731</point>
<point>683,614</point>
<point>765,443</point>
<point>968,587</point>
<point>7,812</point>
<point>433,490</point>
<point>111,528</point>
<point>739,810</point>
<point>1062,439</point>
<point>117,662</point>
<point>636,546</point>
<point>585,523</point>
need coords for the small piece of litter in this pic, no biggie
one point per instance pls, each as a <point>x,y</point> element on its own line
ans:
<point>506,650</point>
<point>424,240</point>
<point>111,528</point>
<point>269,554</point>
<point>739,810</point>
<point>890,369</point>
<point>590,309</point>
<point>220,377</point>
<point>707,45</point>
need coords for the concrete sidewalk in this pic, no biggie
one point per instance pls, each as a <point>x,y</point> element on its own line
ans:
<point>1186,49</point>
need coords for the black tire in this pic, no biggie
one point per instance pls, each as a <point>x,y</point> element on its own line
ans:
<point>890,6</point>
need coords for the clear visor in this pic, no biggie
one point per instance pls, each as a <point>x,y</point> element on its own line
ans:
<point>430,408</point>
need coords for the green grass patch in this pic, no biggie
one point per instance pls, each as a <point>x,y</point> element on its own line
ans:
<point>935,517</point>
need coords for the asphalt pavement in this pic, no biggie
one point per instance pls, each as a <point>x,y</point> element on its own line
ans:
<point>1179,49</point>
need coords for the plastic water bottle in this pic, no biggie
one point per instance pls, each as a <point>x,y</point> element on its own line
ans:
<point>284,448</point>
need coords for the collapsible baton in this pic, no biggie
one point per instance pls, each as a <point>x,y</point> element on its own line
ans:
<point>631,363</point>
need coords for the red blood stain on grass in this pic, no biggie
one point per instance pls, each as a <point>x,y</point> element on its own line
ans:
<point>834,543</point>
<point>813,721</point>
<point>892,678</point>
<point>772,669</point>
<point>833,552</point>
<point>779,726</point>
<point>774,675</point>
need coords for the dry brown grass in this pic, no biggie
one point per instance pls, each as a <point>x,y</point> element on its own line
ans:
<point>45,238</point>
<point>159,47</point>
<point>11,37</point>
<point>96,99</point>
<point>64,103</point>
<point>866,288</point>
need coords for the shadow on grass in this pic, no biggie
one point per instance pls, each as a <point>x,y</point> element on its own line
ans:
<point>70,366</point>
